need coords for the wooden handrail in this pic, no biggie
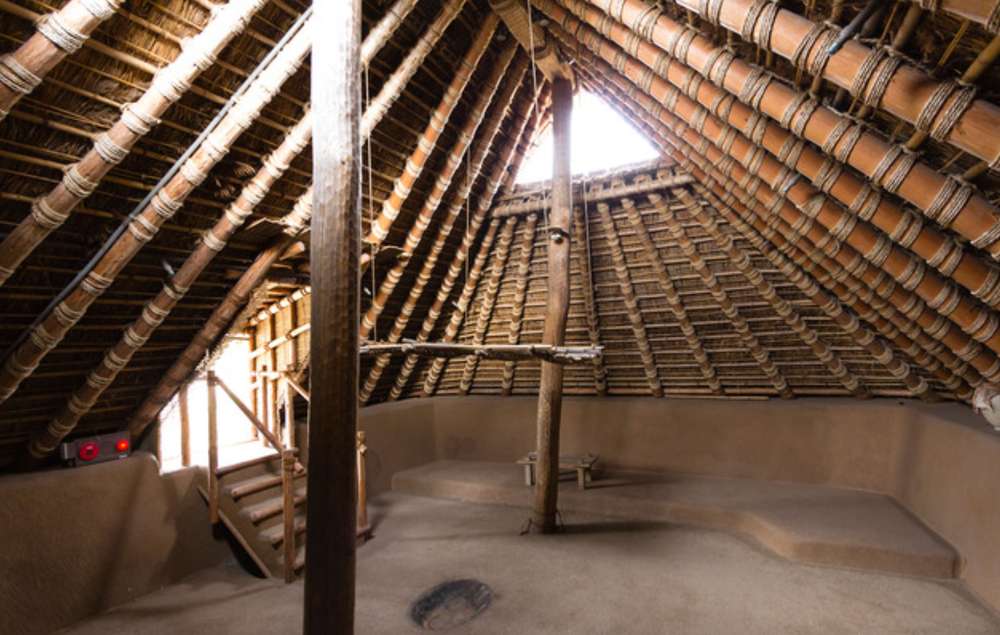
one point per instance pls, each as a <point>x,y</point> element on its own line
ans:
<point>269,435</point>
<point>213,450</point>
<point>296,385</point>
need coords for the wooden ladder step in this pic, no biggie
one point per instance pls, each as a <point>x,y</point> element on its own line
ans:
<point>276,535</point>
<point>272,506</point>
<point>257,484</point>
<point>235,467</point>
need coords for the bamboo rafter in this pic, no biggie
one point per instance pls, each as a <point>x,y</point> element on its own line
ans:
<point>428,140</point>
<point>441,186</point>
<point>59,34</point>
<point>631,303</point>
<point>506,352</point>
<point>847,260</point>
<point>110,148</point>
<point>758,352</point>
<point>781,306</point>
<point>525,248</point>
<point>652,256</point>
<point>47,335</point>
<point>488,301</point>
<point>460,197</point>
<point>583,256</point>
<point>503,173</point>
<point>930,289</point>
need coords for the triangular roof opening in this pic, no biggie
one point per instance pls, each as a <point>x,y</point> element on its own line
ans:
<point>602,140</point>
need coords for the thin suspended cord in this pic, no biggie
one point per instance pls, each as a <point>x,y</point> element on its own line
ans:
<point>371,205</point>
<point>535,107</point>
<point>468,195</point>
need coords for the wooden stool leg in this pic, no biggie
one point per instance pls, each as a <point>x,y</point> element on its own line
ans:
<point>529,475</point>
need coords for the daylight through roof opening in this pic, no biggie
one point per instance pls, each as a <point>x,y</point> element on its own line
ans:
<point>602,140</point>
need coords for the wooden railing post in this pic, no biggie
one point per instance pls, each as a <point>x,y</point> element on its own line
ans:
<point>289,413</point>
<point>185,427</point>
<point>363,528</point>
<point>288,511</point>
<point>213,451</point>
<point>265,399</point>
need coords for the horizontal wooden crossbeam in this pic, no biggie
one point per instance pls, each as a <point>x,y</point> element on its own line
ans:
<point>546,352</point>
<point>592,195</point>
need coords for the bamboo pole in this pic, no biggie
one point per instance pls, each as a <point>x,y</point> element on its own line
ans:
<point>939,294</point>
<point>832,307</point>
<point>549,414</point>
<point>441,186</point>
<point>896,170</point>
<point>393,86</point>
<point>631,303</point>
<point>488,302</point>
<point>185,416</point>
<point>428,140</point>
<point>652,256</point>
<point>848,261</point>
<point>457,315</point>
<point>46,336</point>
<point>757,351</point>
<point>59,34</point>
<point>333,346</point>
<point>899,88</point>
<point>510,352</point>
<point>542,202</point>
<point>582,229</point>
<point>502,174</point>
<point>214,326</point>
<point>525,249</point>
<point>213,450</point>
<point>51,210</point>
<point>741,260</point>
<point>868,208</point>
<point>156,310</point>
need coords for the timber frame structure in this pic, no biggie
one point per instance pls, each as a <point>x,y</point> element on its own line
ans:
<point>823,219</point>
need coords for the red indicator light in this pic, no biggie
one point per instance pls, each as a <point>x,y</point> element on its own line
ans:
<point>122,445</point>
<point>88,451</point>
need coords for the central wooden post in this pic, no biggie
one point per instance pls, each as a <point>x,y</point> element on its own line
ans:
<point>550,390</point>
<point>333,343</point>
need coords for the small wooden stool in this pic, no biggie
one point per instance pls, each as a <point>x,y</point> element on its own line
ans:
<point>582,465</point>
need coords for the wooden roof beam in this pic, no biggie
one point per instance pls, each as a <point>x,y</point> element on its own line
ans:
<point>786,311</point>
<point>757,351</point>
<point>898,87</point>
<point>907,303</point>
<point>158,309</point>
<point>525,249</point>
<point>532,39</point>
<point>979,321</point>
<point>631,303</point>
<point>652,257</point>
<point>501,177</point>
<point>585,267</point>
<point>442,183</point>
<point>60,33</point>
<point>51,210</point>
<point>867,205</point>
<point>459,198</point>
<point>144,226</point>
<point>429,138</point>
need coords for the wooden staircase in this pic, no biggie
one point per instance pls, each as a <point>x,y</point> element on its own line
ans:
<point>262,501</point>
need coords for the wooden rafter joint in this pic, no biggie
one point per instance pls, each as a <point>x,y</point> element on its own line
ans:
<point>592,195</point>
<point>511,352</point>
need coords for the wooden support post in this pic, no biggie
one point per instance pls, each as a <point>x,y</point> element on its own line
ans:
<point>333,342</point>
<point>363,528</point>
<point>288,512</point>
<point>213,451</point>
<point>289,395</point>
<point>185,427</point>
<point>550,390</point>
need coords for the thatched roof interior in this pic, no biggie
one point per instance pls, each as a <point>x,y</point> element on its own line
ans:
<point>54,126</point>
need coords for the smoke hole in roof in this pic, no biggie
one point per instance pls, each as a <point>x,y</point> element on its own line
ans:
<point>601,140</point>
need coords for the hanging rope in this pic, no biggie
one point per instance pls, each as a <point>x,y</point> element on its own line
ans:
<point>371,203</point>
<point>535,106</point>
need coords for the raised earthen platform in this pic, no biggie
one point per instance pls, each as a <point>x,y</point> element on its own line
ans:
<point>806,523</point>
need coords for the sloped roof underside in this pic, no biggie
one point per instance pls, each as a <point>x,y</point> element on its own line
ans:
<point>885,306</point>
